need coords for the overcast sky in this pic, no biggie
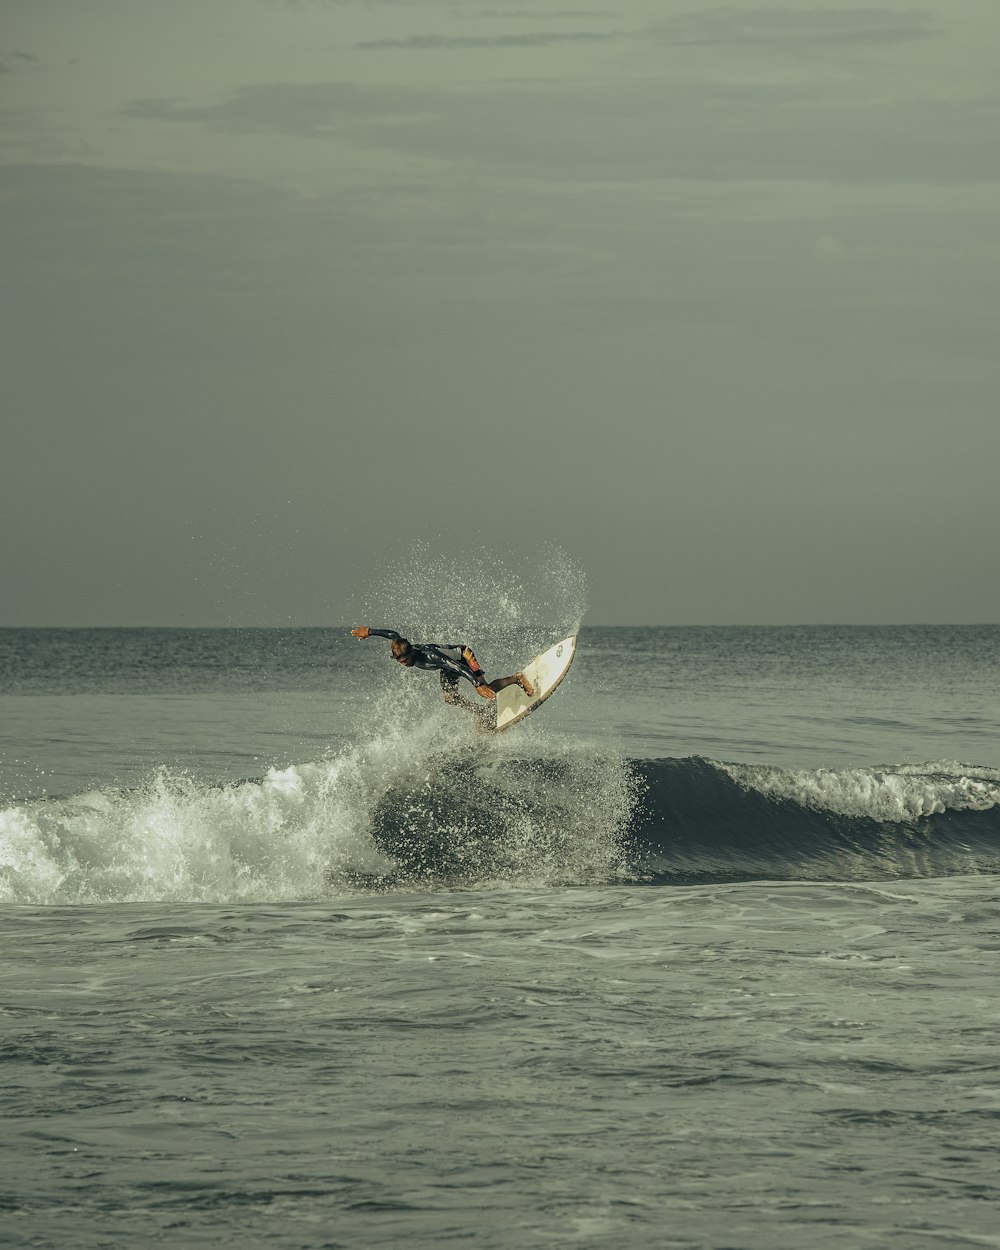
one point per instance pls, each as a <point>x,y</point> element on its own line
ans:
<point>707,296</point>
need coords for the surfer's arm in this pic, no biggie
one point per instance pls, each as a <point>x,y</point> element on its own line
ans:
<point>365,631</point>
<point>477,680</point>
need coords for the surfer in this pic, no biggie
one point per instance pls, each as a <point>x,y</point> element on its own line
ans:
<point>451,660</point>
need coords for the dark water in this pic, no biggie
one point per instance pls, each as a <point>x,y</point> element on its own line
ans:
<point>702,955</point>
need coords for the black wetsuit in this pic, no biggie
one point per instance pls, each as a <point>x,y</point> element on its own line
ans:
<point>448,658</point>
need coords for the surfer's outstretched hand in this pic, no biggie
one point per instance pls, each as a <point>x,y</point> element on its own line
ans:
<point>486,692</point>
<point>360,632</point>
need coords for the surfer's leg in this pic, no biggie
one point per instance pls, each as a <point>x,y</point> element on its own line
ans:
<point>449,687</point>
<point>486,717</point>
<point>518,679</point>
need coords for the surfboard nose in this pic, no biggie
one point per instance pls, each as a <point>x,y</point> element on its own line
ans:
<point>535,682</point>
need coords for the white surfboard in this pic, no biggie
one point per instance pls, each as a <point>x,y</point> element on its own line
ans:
<point>545,672</point>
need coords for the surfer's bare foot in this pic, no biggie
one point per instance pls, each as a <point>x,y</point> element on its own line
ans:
<point>525,685</point>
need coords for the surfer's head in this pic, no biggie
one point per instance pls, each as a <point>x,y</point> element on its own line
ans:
<point>402,651</point>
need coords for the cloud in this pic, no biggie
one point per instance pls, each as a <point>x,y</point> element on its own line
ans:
<point>289,108</point>
<point>549,14</point>
<point>770,27</point>
<point>539,39</point>
<point>16,62</point>
<point>796,28</point>
<point>639,130</point>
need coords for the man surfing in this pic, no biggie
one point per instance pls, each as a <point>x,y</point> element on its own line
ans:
<point>451,660</point>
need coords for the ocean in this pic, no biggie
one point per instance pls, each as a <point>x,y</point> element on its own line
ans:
<point>702,955</point>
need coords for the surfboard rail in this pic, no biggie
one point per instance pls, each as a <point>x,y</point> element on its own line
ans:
<point>545,672</point>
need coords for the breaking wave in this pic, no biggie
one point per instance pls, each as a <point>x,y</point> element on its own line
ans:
<point>708,821</point>
<point>430,809</point>
<point>425,808</point>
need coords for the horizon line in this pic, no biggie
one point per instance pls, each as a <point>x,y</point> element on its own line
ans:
<point>950,624</point>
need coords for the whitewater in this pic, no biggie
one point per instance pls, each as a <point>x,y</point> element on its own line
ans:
<point>703,954</point>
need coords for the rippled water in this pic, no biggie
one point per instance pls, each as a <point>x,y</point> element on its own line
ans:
<point>292,959</point>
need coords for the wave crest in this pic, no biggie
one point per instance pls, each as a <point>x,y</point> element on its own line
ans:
<point>415,810</point>
<point>709,821</point>
<point>425,808</point>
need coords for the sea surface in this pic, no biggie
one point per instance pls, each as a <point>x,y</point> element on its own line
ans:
<point>704,954</point>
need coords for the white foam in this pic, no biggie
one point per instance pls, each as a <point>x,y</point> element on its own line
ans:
<point>884,794</point>
<point>306,831</point>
